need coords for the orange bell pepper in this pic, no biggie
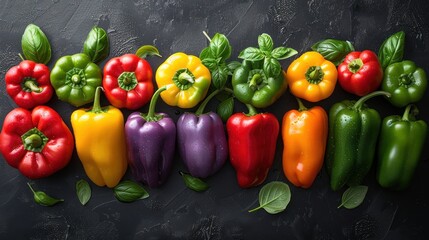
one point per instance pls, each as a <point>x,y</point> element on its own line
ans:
<point>304,134</point>
<point>311,77</point>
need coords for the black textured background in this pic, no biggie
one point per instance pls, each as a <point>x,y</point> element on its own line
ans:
<point>173,211</point>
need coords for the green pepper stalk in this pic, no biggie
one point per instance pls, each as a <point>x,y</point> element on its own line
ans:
<point>400,148</point>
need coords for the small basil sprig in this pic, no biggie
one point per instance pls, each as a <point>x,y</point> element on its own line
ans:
<point>214,58</point>
<point>194,183</point>
<point>333,50</point>
<point>129,191</point>
<point>96,45</point>
<point>274,197</point>
<point>35,45</point>
<point>353,197</point>
<point>392,49</point>
<point>83,191</point>
<point>43,199</point>
<point>266,53</point>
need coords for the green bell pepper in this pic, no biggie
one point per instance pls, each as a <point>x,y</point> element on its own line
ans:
<point>405,81</point>
<point>353,133</point>
<point>400,147</point>
<point>252,86</point>
<point>75,79</point>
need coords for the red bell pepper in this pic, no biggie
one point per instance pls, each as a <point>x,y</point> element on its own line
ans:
<point>360,73</point>
<point>128,81</point>
<point>252,140</point>
<point>28,84</point>
<point>37,142</point>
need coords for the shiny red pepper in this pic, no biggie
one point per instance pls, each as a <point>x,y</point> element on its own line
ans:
<point>360,73</point>
<point>37,142</point>
<point>28,84</point>
<point>252,142</point>
<point>127,81</point>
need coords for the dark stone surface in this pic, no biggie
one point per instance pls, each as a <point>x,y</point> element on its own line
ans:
<point>173,211</point>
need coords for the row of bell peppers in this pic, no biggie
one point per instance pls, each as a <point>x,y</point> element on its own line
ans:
<point>147,142</point>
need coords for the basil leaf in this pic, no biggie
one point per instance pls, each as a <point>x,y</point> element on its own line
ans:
<point>129,191</point>
<point>43,199</point>
<point>220,47</point>
<point>272,67</point>
<point>251,54</point>
<point>353,196</point>
<point>265,42</point>
<point>281,53</point>
<point>232,66</point>
<point>206,53</point>
<point>333,50</point>
<point>274,197</point>
<point>210,63</point>
<point>194,183</point>
<point>220,76</point>
<point>35,45</point>
<point>225,108</point>
<point>96,45</point>
<point>392,49</point>
<point>147,50</point>
<point>83,191</point>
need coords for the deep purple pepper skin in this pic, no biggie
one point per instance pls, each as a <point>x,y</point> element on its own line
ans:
<point>151,146</point>
<point>202,143</point>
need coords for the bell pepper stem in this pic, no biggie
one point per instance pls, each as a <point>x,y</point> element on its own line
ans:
<point>314,74</point>
<point>96,108</point>
<point>252,110</point>
<point>30,84</point>
<point>410,112</point>
<point>355,65</point>
<point>34,140</point>
<point>201,108</point>
<point>255,81</point>
<point>151,112</point>
<point>184,77</point>
<point>301,105</point>
<point>363,99</point>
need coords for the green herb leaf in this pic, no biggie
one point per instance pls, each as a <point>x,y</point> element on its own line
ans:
<point>206,53</point>
<point>225,109</point>
<point>35,45</point>
<point>392,49</point>
<point>147,50</point>
<point>274,197</point>
<point>251,54</point>
<point>232,66</point>
<point>129,191</point>
<point>96,45</point>
<point>265,42</point>
<point>194,183</point>
<point>220,47</point>
<point>83,191</point>
<point>353,196</point>
<point>281,53</point>
<point>210,63</point>
<point>333,50</point>
<point>220,76</point>
<point>272,67</point>
<point>43,199</point>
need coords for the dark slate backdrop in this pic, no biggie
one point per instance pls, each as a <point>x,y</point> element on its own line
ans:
<point>173,211</point>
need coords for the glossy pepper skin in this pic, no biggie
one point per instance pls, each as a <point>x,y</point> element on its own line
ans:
<point>202,141</point>
<point>311,77</point>
<point>38,143</point>
<point>406,83</point>
<point>75,78</point>
<point>28,84</point>
<point>252,86</point>
<point>186,78</point>
<point>400,147</point>
<point>127,81</point>
<point>304,133</point>
<point>151,141</point>
<point>252,142</point>
<point>100,142</point>
<point>360,73</point>
<point>352,140</point>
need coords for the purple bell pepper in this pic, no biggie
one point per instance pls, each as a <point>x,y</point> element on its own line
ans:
<point>151,140</point>
<point>202,141</point>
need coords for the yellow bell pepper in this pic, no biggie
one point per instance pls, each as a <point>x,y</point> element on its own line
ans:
<point>186,78</point>
<point>100,142</point>
<point>311,77</point>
